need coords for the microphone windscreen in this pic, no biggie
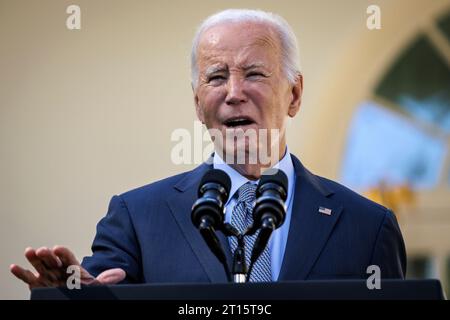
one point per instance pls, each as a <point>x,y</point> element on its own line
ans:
<point>217,176</point>
<point>274,176</point>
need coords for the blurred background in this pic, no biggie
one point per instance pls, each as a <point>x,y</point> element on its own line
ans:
<point>86,114</point>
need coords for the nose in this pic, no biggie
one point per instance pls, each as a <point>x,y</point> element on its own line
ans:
<point>235,93</point>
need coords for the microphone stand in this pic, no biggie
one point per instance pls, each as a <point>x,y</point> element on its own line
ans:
<point>209,234</point>
<point>239,264</point>
<point>239,268</point>
<point>240,271</point>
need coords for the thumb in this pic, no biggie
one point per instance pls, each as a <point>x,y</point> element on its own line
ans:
<point>111,276</point>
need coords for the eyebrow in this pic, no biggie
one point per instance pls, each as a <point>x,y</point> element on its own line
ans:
<point>253,65</point>
<point>215,68</point>
<point>220,68</point>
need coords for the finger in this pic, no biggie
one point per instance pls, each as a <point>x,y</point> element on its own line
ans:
<point>32,279</point>
<point>39,265</point>
<point>53,264</point>
<point>111,276</point>
<point>25,275</point>
<point>31,256</point>
<point>67,259</point>
<point>49,258</point>
<point>66,256</point>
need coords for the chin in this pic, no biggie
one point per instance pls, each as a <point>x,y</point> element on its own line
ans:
<point>241,152</point>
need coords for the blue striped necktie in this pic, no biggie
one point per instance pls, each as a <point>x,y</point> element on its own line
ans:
<point>241,218</point>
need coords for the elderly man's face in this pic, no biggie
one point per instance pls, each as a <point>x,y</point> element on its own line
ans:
<point>241,82</point>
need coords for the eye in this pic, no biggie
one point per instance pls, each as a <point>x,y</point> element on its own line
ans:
<point>216,78</point>
<point>256,74</point>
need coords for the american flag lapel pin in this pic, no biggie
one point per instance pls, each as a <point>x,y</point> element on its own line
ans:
<point>324,210</point>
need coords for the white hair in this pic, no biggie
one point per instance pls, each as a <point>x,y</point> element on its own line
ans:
<point>288,41</point>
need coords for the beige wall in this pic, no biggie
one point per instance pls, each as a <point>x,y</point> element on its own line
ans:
<point>88,114</point>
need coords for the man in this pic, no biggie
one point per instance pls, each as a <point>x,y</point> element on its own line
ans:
<point>245,77</point>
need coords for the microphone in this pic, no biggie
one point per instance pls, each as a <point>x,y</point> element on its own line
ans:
<point>269,211</point>
<point>271,193</point>
<point>213,193</point>
<point>207,213</point>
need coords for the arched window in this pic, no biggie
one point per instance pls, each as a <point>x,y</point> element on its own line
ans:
<point>401,134</point>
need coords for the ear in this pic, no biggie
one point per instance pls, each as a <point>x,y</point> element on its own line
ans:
<point>297,90</point>
<point>198,108</point>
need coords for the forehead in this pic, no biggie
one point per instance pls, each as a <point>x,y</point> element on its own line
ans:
<point>239,43</point>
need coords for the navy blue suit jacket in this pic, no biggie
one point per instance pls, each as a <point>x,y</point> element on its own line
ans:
<point>148,232</point>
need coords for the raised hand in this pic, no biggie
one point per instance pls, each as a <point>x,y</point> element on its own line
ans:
<point>51,269</point>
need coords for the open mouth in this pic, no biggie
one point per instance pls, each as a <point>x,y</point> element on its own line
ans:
<point>238,122</point>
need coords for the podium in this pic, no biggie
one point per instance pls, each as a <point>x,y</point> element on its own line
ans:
<point>297,290</point>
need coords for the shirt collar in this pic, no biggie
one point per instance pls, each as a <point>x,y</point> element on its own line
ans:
<point>238,180</point>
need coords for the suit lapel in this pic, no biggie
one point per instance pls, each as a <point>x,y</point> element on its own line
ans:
<point>309,229</point>
<point>180,204</point>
